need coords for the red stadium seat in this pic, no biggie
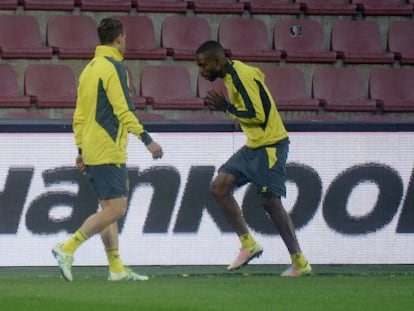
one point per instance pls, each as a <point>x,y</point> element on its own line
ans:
<point>359,41</point>
<point>49,5</point>
<point>203,85</point>
<point>140,38</point>
<point>400,40</point>
<point>384,7</point>
<point>20,37</point>
<point>168,87</point>
<point>272,6</point>
<point>51,85</point>
<point>246,40</point>
<point>217,6</point>
<point>341,89</point>
<point>288,88</point>
<point>393,88</point>
<point>105,5</point>
<point>139,101</point>
<point>72,36</point>
<point>8,4</point>
<point>328,7</point>
<point>181,36</point>
<point>301,40</point>
<point>160,6</point>
<point>10,96</point>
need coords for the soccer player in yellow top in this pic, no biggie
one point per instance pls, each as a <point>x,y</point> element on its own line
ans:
<point>103,118</point>
<point>262,161</point>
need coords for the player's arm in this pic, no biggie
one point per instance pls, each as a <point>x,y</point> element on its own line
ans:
<point>78,123</point>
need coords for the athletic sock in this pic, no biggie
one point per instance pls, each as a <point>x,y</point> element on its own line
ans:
<point>115,263</point>
<point>299,260</point>
<point>247,240</point>
<point>74,242</point>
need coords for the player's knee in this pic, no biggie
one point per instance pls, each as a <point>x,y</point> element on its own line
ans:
<point>218,190</point>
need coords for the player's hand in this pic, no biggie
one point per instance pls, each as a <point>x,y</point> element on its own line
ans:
<point>80,165</point>
<point>215,100</point>
<point>155,150</point>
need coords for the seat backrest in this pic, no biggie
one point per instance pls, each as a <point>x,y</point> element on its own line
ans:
<point>380,2</point>
<point>298,35</point>
<point>18,31</point>
<point>71,31</point>
<point>105,5</point>
<point>140,32</point>
<point>47,5</point>
<point>401,36</point>
<point>165,81</point>
<point>361,36</point>
<point>50,80</point>
<point>390,84</point>
<point>184,33</point>
<point>8,81</point>
<point>161,6</point>
<point>338,83</point>
<point>241,34</point>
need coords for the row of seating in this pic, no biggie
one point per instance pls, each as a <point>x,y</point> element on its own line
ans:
<point>170,87</point>
<point>332,7</point>
<point>295,40</point>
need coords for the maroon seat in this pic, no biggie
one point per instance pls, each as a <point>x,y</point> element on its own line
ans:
<point>51,85</point>
<point>72,36</point>
<point>139,101</point>
<point>246,40</point>
<point>140,38</point>
<point>181,36</point>
<point>8,4</point>
<point>105,5</point>
<point>301,40</point>
<point>10,96</point>
<point>217,6</point>
<point>168,87</point>
<point>400,40</point>
<point>359,41</point>
<point>160,6</point>
<point>48,5</point>
<point>272,6</point>
<point>384,7</point>
<point>341,89</point>
<point>288,88</point>
<point>328,7</point>
<point>393,88</point>
<point>20,37</point>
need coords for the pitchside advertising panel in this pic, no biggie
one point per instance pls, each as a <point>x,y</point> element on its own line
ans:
<point>350,194</point>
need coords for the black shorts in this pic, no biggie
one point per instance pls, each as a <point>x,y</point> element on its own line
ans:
<point>265,167</point>
<point>108,181</point>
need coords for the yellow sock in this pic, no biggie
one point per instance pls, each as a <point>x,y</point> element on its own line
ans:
<point>74,242</point>
<point>247,240</point>
<point>115,263</point>
<point>299,260</point>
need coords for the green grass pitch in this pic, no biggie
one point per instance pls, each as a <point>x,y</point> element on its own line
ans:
<point>210,288</point>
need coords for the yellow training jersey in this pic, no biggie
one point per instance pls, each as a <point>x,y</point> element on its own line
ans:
<point>253,106</point>
<point>104,111</point>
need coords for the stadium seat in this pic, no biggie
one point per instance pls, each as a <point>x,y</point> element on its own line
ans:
<point>140,38</point>
<point>72,36</point>
<point>139,101</point>
<point>20,38</point>
<point>160,6</point>
<point>341,89</point>
<point>400,40</point>
<point>384,7</point>
<point>272,6</point>
<point>24,115</point>
<point>203,85</point>
<point>216,6</point>
<point>105,5</point>
<point>168,87</point>
<point>49,5</point>
<point>359,42</point>
<point>301,40</point>
<point>8,4</point>
<point>181,36</point>
<point>246,39</point>
<point>392,88</point>
<point>10,96</point>
<point>328,7</point>
<point>288,88</point>
<point>51,85</point>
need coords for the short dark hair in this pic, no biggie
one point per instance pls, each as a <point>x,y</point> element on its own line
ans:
<point>210,46</point>
<point>109,29</point>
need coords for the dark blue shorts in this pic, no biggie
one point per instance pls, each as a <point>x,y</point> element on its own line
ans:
<point>265,167</point>
<point>109,181</point>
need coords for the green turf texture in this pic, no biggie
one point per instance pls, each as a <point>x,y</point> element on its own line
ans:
<point>208,288</point>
